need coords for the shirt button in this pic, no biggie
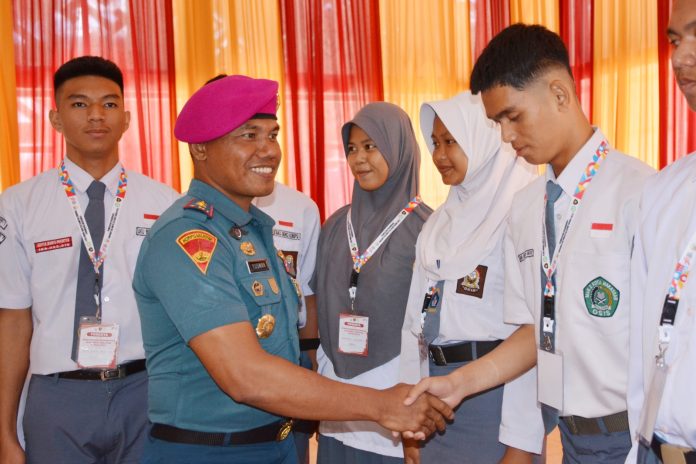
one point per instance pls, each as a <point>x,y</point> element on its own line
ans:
<point>106,299</point>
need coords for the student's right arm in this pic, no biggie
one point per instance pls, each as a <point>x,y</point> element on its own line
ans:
<point>15,336</point>
<point>512,358</point>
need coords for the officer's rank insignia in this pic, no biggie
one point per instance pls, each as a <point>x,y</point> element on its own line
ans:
<point>274,285</point>
<point>198,245</point>
<point>257,288</point>
<point>200,205</point>
<point>473,283</point>
<point>247,248</point>
<point>601,297</point>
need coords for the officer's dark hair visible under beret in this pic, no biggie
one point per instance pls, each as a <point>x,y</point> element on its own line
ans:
<point>87,66</point>
<point>518,55</point>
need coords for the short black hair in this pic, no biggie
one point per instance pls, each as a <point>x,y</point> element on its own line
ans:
<point>518,55</point>
<point>87,66</point>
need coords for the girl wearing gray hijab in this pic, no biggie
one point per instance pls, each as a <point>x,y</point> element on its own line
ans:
<point>455,307</point>
<point>364,263</point>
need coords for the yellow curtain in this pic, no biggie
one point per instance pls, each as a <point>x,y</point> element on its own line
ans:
<point>426,55</point>
<point>9,134</point>
<point>626,92</point>
<point>544,12</point>
<point>225,36</point>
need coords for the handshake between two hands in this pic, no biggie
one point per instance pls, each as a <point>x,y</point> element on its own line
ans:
<point>417,411</point>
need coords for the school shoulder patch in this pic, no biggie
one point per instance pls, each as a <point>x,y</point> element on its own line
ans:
<point>601,297</point>
<point>199,245</point>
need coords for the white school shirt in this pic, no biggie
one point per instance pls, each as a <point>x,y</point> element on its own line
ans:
<point>40,252</point>
<point>472,310</point>
<point>295,233</point>
<point>595,349</point>
<point>668,221</point>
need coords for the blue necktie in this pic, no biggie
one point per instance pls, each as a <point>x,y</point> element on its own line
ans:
<point>85,305</point>
<point>553,192</point>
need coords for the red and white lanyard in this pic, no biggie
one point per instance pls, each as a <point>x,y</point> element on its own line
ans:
<point>96,258</point>
<point>549,265</point>
<point>359,260</point>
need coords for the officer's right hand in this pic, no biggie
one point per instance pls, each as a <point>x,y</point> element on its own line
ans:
<point>11,452</point>
<point>425,415</point>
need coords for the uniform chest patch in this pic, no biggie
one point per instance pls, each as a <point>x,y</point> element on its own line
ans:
<point>257,265</point>
<point>601,297</point>
<point>473,283</point>
<point>55,244</point>
<point>290,262</point>
<point>287,234</point>
<point>198,245</point>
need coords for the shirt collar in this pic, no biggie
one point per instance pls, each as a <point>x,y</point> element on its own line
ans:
<point>81,179</point>
<point>228,208</point>
<point>569,178</point>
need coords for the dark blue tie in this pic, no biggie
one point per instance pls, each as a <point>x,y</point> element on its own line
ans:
<point>431,327</point>
<point>553,192</point>
<point>85,304</point>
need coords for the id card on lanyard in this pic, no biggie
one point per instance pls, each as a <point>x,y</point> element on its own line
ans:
<point>549,360</point>
<point>353,327</point>
<point>653,396</point>
<point>97,342</point>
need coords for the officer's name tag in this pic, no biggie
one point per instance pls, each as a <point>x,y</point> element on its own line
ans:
<point>98,345</point>
<point>550,379</point>
<point>352,334</point>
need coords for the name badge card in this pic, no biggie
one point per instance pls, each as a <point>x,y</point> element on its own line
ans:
<point>352,334</point>
<point>98,345</point>
<point>550,379</point>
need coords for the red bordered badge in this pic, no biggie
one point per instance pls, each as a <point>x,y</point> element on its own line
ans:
<point>198,245</point>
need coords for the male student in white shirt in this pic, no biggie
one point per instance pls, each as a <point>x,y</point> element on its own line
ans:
<point>663,419</point>
<point>567,262</point>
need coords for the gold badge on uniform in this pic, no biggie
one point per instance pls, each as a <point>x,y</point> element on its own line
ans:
<point>247,248</point>
<point>257,288</point>
<point>265,326</point>
<point>274,285</point>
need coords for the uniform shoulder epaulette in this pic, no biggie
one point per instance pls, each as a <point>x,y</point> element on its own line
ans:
<point>200,205</point>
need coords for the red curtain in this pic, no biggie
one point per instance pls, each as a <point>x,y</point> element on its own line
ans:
<point>135,34</point>
<point>577,29</point>
<point>488,17</point>
<point>677,122</point>
<point>333,67</point>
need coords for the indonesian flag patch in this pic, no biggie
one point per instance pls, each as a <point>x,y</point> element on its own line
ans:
<point>199,245</point>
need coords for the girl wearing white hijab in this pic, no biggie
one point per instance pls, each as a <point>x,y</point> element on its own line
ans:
<point>455,307</point>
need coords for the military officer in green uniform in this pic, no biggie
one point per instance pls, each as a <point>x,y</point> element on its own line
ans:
<point>218,310</point>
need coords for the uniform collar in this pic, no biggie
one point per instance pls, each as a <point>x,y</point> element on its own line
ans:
<point>228,208</point>
<point>568,180</point>
<point>81,179</point>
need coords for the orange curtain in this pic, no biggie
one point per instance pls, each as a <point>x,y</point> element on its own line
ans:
<point>544,12</point>
<point>626,85</point>
<point>231,37</point>
<point>9,135</point>
<point>426,55</point>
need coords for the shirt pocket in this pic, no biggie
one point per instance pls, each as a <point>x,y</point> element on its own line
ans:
<point>596,290</point>
<point>263,291</point>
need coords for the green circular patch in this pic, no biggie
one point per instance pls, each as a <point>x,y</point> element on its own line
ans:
<point>601,297</point>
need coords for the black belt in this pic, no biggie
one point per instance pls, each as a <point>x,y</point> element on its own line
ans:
<point>656,446</point>
<point>275,431</point>
<point>120,372</point>
<point>577,425</point>
<point>460,352</point>
<point>307,344</point>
